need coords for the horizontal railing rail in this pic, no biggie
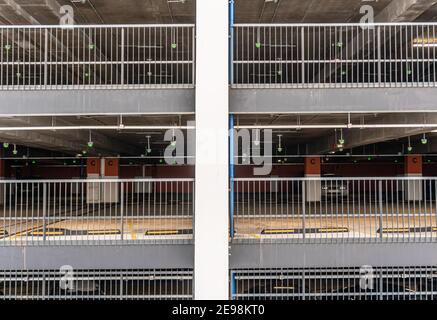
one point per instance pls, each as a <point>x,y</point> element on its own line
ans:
<point>97,57</point>
<point>307,210</point>
<point>334,55</point>
<point>96,211</point>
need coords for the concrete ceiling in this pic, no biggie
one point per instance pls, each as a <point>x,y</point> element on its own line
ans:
<point>106,142</point>
<point>133,143</point>
<point>183,11</point>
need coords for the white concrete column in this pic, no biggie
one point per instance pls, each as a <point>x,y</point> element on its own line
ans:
<point>211,266</point>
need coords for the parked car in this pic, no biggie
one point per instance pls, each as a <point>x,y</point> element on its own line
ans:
<point>335,188</point>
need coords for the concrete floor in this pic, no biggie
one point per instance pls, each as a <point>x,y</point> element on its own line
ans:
<point>174,221</point>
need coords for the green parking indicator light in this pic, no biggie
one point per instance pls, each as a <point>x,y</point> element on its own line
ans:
<point>258,45</point>
<point>5,145</point>
<point>424,140</point>
<point>174,45</point>
<point>8,47</point>
<point>91,46</point>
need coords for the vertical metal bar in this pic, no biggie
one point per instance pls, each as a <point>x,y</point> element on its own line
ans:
<point>302,34</point>
<point>122,56</point>
<point>379,55</point>
<point>44,210</point>
<point>303,209</point>
<point>122,210</point>
<point>380,208</point>
<point>46,41</point>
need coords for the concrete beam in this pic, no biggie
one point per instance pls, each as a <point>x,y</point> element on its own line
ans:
<point>356,137</point>
<point>67,141</point>
<point>362,100</point>
<point>85,256</point>
<point>335,255</point>
<point>96,102</point>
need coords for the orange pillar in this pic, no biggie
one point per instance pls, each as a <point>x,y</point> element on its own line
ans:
<point>413,188</point>
<point>413,165</point>
<point>111,168</point>
<point>93,168</point>
<point>313,167</point>
<point>313,188</point>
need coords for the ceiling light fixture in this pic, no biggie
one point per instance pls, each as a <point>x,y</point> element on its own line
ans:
<point>409,148</point>
<point>424,140</point>
<point>90,141</point>
<point>149,150</point>
<point>280,144</point>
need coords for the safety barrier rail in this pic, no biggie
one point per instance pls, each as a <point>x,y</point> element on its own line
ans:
<point>334,55</point>
<point>353,283</point>
<point>70,284</point>
<point>96,211</point>
<point>96,57</point>
<point>335,209</point>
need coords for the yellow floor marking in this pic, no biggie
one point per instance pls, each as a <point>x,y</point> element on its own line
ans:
<point>132,230</point>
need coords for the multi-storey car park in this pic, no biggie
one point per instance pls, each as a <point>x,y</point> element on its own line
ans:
<point>90,207</point>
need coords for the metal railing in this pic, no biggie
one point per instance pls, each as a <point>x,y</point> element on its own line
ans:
<point>353,283</point>
<point>334,55</point>
<point>105,211</point>
<point>66,284</point>
<point>335,209</point>
<point>96,57</point>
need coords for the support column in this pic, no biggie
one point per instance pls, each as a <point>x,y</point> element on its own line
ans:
<point>93,172</point>
<point>313,188</point>
<point>110,170</point>
<point>211,255</point>
<point>413,188</point>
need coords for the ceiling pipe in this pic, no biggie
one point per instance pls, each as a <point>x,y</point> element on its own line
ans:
<point>109,127</point>
<point>338,126</point>
<point>277,127</point>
